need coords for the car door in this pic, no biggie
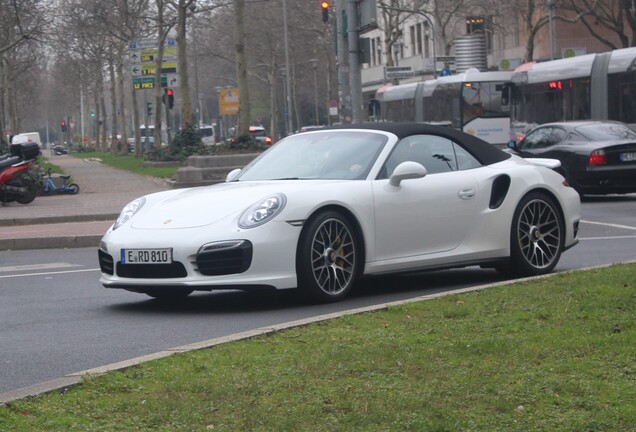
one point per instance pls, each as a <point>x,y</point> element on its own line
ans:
<point>427,215</point>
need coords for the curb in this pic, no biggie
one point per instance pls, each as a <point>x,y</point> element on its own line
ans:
<point>57,219</point>
<point>66,242</point>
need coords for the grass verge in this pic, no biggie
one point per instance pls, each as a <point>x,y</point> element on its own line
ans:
<point>554,354</point>
<point>130,163</point>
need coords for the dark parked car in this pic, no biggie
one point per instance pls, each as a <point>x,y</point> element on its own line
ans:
<point>597,157</point>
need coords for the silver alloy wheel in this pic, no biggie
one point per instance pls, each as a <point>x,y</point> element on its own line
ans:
<point>539,233</point>
<point>333,256</point>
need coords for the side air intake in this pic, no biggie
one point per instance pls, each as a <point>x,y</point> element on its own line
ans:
<point>500,188</point>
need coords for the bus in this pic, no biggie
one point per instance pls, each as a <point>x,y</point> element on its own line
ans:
<point>588,87</point>
<point>472,101</point>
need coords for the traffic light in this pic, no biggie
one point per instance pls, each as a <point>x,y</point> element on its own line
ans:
<point>324,5</point>
<point>92,113</point>
<point>168,98</point>
<point>148,109</point>
<point>63,126</point>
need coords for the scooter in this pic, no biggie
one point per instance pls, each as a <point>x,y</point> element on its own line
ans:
<point>16,181</point>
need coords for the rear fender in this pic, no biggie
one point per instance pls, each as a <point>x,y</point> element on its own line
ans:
<point>545,162</point>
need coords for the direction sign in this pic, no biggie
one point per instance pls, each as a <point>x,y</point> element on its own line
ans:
<point>398,71</point>
<point>142,83</point>
<point>143,60</point>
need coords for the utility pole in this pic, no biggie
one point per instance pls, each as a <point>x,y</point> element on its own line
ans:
<point>355,76</point>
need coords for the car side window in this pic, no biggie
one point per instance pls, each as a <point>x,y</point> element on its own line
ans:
<point>437,154</point>
<point>536,139</point>
<point>557,136</point>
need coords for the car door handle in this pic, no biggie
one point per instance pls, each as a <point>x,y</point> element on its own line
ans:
<point>466,194</point>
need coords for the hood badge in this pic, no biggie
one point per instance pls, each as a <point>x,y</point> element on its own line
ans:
<point>167,221</point>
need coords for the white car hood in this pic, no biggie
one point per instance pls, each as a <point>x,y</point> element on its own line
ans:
<point>201,206</point>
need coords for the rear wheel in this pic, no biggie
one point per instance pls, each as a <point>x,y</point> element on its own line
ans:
<point>536,236</point>
<point>328,260</point>
<point>32,191</point>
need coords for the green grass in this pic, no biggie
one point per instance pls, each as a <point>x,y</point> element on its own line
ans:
<point>129,163</point>
<point>555,354</point>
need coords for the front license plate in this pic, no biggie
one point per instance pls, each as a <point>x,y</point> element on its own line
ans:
<point>146,256</point>
<point>628,157</point>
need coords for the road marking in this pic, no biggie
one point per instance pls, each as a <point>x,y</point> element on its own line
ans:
<point>38,267</point>
<point>49,273</point>
<point>610,225</point>
<point>608,238</point>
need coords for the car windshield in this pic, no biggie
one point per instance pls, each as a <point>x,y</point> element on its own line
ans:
<point>325,155</point>
<point>604,132</point>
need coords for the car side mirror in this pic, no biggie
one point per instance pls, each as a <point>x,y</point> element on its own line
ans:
<point>407,170</point>
<point>512,144</point>
<point>232,174</point>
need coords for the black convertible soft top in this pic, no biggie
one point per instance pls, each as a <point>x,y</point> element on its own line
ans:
<point>485,152</point>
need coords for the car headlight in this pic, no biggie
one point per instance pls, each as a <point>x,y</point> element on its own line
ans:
<point>129,211</point>
<point>262,211</point>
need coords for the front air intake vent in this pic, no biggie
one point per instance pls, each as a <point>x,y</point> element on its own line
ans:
<point>224,258</point>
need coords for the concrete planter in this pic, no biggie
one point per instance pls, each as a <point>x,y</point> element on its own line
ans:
<point>207,170</point>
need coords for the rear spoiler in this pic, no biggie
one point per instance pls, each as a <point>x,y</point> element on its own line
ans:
<point>545,162</point>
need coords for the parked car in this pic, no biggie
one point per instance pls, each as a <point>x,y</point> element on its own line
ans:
<point>260,135</point>
<point>321,209</point>
<point>597,157</point>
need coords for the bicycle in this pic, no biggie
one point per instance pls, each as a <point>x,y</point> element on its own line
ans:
<point>69,188</point>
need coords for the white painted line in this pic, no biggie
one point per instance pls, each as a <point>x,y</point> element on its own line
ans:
<point>608,238</point>
<point>609,225</point>
<point>49,273</point>
<point>32,267</point>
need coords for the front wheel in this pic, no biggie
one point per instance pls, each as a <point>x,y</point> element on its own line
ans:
<point>536,236</point>
<point>328,257</point>
<point>73,189</point>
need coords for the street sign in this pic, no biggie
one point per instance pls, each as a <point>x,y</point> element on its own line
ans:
<point>143,63</point>
<point>229,101</point>
<point>398,71</point>
<point>148,82</point>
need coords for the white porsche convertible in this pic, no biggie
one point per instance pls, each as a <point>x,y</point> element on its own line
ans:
<point>321,209</point>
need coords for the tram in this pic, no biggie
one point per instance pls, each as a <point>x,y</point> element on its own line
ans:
<point>472,101</point>
<point>588,87</point>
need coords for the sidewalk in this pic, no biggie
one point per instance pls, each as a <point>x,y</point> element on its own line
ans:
<point>65,221</point>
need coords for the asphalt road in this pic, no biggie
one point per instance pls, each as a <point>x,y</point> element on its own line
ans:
<point>56,319</point>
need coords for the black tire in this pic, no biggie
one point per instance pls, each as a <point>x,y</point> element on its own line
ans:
<point>73,188</point>
<point>328,258</point>
<point>166,294</point>
<point>32,192</point>
<point>537,236</point>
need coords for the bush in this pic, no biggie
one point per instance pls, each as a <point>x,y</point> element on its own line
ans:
<point>186,142</point>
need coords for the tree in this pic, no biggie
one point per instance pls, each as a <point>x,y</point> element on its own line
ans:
<point>23,24</point>
<point>616,16</point>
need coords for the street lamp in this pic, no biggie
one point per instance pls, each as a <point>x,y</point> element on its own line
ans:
<point>314,63</point>
<point>196,65</point>
<point>287,72</point>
